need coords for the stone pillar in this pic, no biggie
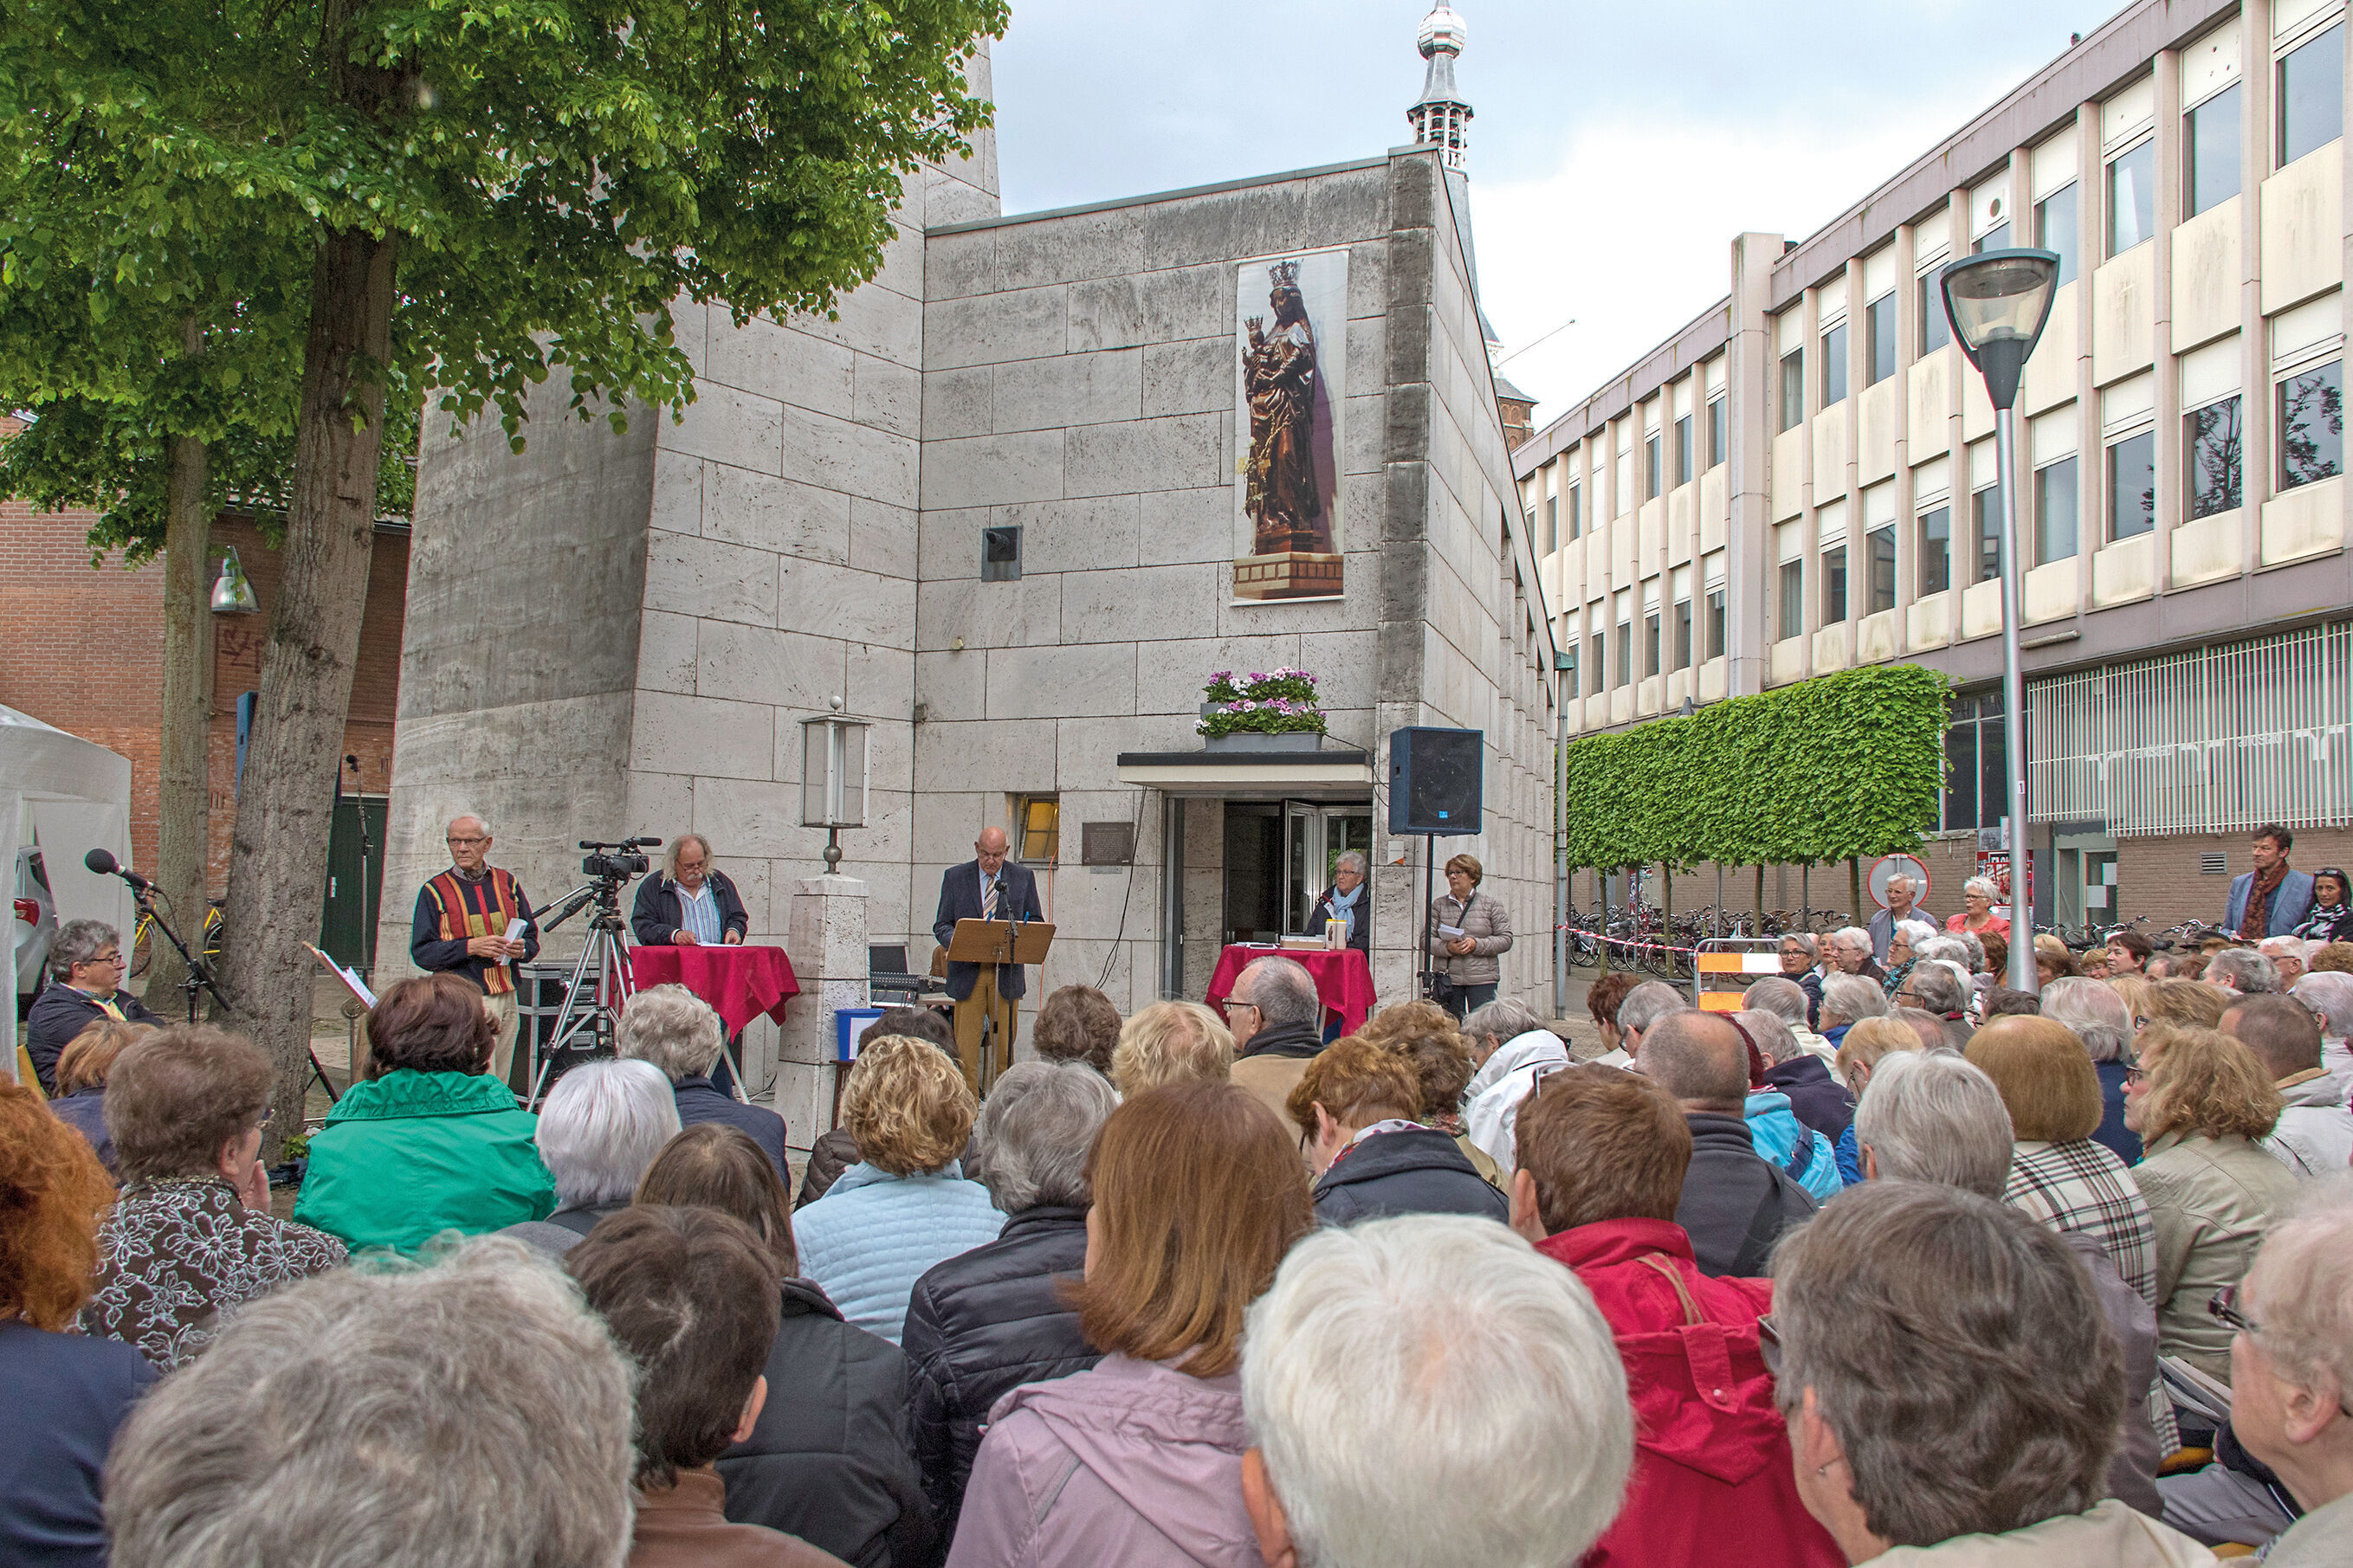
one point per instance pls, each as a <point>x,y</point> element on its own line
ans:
<point>826,939</point>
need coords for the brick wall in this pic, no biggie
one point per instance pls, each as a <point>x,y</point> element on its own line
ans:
<point>84,652</point>
<point>2160,878</point>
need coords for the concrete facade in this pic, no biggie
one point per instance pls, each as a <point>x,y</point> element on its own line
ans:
<point>616,635</point>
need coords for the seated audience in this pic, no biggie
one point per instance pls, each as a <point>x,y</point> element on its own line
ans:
<point>599,1128</point>
<point>1806,1154</point>
<point>87,968</point>
<point>1077,1024</point>
<point>2286,954</point>
<point>468,1411</point>
<point>1511,1049</point>
<point>1905,940</point>
<point>2128,954</point>
<point>678,1031</point>
<point>1787,1001</point>
<point>829,1459</point>
<point>691,1294</point>
<point>2313,1136</point>
<point>1376,1465</point>
<point>427,1142</point>
<point>1426,1036</point>
<point>1953,1388</point>
<point>1735,1205</point>
<point>835,1152</point>
<point>1358,1110</point>
<point>1816,1098</point>
<point>1934,1033</point>
<point>70,1391</point>
<point>2054,960</point>
<point>2001,1001</point>
<point>1645,1005</point>
<point>2243,970</point>
<point>2060,1176</point>
<point>1603,1157</point>
<point>2100,1017</point>
<point>1801,965</point>
<point>1933,1117</point>
<point>985,1321</point>
<point>1276,1016</point>
<point>1849,950</point>
<point>2201,1103</point>
<point>2330,997</point>
<point>905,1204</point>
<point>191,1235</point>
<point>1847,1000</point>
<point>80,1099</point>
<point>2335,957</point>
<point>1867,1045</point>
<point>2292,1376</point>
<point>1602,999</point>
<point>1938,986</point>
<point>2185,1003</point>
<point>1171,1042</point>
<point>1198,1194</point>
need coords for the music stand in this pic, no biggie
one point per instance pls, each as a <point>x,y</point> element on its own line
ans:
<point>989,944</point>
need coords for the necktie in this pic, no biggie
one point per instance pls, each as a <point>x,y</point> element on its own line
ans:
<point>988,900</point>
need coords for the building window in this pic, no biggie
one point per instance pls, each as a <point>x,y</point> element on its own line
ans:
<point>1715,628</point>
<point>1985,526</point>
<point>1600,669</point>
<point>1040,817</point>
<point>2312,95</point>
<point>1793,388</point>
<point>1575,511</point>
<point>1682,634</point>
<point>1625,652</point>
<point>1995,238</point>
<point>1568,671</point>
<point>1651,643</point>
<point>2213,151</point>
<point>1793,599</point>
<point>1936,551</point>
<point>1879,330</point>
<point>2056,228</point>
<point>1935,327</point>
<point>2132,197</point>
<point>1714,432</point>
<point>2055,511</point>
<point>2213,444</point>
<point>1977,788</point>
<point>1834,584</point>
<point>1552,523</point>
<point>1684,450</point>
<point>1879,559</point>
<point>1650,467</point>
<point>2311,425</point>
<point>2132,486</point>
<point>1834,366</point>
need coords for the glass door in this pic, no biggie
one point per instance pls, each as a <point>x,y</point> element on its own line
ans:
<point>1315,837</point>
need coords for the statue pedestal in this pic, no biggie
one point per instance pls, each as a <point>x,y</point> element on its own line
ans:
<point>1287,574</point>
<point>826,939</point>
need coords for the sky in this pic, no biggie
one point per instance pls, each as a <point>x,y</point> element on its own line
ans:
<point>1615,150</point>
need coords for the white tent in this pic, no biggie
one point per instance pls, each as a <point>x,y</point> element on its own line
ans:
<point>68,797</point>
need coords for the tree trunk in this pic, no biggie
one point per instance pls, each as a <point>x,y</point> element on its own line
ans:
<point>184,773</point>
<point>1855,890</point>
<point>277,859</point>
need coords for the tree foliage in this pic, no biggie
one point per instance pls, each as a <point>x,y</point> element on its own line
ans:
<point>1840,765</point>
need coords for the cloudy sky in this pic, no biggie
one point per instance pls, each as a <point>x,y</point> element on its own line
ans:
<point>1616,148</point>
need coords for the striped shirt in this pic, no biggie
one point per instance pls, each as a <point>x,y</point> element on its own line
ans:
<point>700,911</point>
<point>2080,1186</point>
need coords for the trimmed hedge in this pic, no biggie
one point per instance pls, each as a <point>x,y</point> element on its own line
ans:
<point>1845,764</point>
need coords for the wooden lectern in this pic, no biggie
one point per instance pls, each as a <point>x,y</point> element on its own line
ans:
<point>989,944</point>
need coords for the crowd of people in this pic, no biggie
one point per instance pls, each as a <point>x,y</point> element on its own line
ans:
<point>1893,1265</point>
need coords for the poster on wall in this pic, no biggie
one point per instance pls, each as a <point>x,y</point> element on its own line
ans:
<point>1291,341</point>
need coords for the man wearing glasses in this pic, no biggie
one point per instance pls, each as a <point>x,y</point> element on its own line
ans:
<point>86,974</point>
<point>460,925</point>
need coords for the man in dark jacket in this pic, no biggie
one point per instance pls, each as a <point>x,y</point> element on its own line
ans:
<point>1816,1098</point>
<point>1735,1205</point>
<point>988,1320</point>
<point>693,901</point>
<point>988,887</point>
<point>1359,1109</point>
<point>86,968</point>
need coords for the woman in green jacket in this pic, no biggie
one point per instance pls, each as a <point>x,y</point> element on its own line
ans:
<point>426,1142</point>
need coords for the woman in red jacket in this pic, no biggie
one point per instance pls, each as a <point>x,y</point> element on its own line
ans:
<point>1602,1154</point>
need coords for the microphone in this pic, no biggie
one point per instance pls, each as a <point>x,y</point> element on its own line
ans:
<point>103,862</point>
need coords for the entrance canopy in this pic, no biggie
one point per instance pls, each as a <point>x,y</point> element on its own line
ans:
<point>67,796</point>
<point>1334,772</point>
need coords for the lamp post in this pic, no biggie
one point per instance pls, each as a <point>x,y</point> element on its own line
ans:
<point>233,590</point>
<point>833,777</point>
<point>1998,302</point>
<point>1561,663</point>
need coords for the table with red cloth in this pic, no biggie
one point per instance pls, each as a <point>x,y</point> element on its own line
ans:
<point>740,982</point>
<point>1344,979</point>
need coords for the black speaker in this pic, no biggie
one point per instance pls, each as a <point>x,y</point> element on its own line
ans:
<point>1434,780</point>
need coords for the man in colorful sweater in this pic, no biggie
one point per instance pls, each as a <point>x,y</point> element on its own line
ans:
<point>462,918</point>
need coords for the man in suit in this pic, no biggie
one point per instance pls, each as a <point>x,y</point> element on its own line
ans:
<point>2286,901</point>
<point>987,886</point>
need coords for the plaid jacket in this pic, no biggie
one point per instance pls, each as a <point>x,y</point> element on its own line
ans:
<point>2081,1186</point>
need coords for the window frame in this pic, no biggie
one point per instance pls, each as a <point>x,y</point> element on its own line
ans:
<point>2191,436</point>
<point>1880,320</point>
<point>2191,206</point>
<point>2144,144</point>
<point>2332,360</point>
<point>1025,833</point>
<point>1625,670</point>
<point>1875,541</point>
<point>1790,600</point>
<point>2042,556</point>
<point>1837,602</point>
<point>1931,309</point>
<point>1985,531</point>
<point>1718,622</point>
<point>1684,470</point>
<point>1793,380</point>
<point>1941,553</point>
<point>1681,650</point>
<point>2281,158</point>
<point>1719,432</point>
<point>1833,367</point>
<point>2110,514</point>
<point>1575,511</point>
<point>1651,475</point>
<point>2070,254</point>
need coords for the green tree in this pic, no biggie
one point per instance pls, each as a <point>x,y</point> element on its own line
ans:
<point>465,195</point>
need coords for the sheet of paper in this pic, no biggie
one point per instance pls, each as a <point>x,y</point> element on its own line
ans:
<point>516,926</point>
<point>352,982</point>
<point>1451,934</point>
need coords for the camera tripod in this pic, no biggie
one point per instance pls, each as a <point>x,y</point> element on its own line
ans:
<point>599,984</point>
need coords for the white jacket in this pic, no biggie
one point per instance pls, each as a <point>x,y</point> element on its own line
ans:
<point>1496,1089</point>
<point>2109,1536</point>
<point>2314,1135</point>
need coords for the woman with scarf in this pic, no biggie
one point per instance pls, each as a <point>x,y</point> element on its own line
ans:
<point>1345,900</point>
<point>2331,919</point>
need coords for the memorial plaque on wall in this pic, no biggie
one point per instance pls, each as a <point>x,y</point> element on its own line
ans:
<point>1290,342</point>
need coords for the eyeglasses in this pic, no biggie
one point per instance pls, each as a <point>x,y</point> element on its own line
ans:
<point>2135,1074</point>
<point>1768,1343</point>
<point>461,843</point>
<point>114,957</point>
<point>1234,1002</point>
<point>2225,1306</point>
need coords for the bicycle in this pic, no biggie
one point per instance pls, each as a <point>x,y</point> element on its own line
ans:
<point>142,950</point>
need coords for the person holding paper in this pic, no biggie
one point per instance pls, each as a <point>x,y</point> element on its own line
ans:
<point>473,921</point>
<point>1470,929</point>
<point>991,888</point>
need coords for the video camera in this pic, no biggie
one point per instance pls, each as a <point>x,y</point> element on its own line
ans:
<point>624,862</point>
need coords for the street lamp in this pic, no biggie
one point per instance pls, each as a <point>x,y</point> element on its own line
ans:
<point>833,777</point>
<point>1998,302</point>
<point>233,590</point>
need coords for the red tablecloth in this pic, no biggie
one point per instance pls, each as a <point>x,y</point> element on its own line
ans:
<point>741,983</point>
<point>1343,979</point>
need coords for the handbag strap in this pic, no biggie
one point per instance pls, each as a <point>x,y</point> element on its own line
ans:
<point>1691,1313</point>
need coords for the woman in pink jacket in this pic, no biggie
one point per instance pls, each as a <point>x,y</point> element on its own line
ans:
<point>1198,1193</point>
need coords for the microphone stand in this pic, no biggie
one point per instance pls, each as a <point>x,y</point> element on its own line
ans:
<point>199,979</point>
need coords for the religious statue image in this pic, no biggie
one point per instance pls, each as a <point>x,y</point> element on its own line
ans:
<point>1279,369</point>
